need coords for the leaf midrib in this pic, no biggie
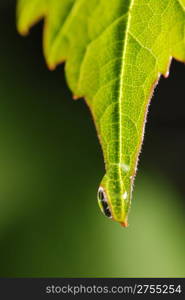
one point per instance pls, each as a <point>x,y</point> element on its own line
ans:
<point>125,43</point>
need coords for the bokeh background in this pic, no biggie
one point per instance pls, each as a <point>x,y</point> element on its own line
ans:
<point>51,165</point>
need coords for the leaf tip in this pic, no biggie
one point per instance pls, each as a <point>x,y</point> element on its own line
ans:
<point>124,224</point>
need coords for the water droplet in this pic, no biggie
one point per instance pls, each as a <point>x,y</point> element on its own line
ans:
<point>125,195</point>
<point>125,167</point>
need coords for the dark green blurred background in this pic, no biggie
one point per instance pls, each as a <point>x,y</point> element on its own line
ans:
<point>51,165</point>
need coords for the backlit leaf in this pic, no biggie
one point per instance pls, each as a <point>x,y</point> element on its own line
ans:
<point>115,52</point>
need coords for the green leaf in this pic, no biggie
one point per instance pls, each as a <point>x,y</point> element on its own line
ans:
<point>115,52</point>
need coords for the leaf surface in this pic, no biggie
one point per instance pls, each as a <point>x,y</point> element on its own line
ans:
<point>115,52</point>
